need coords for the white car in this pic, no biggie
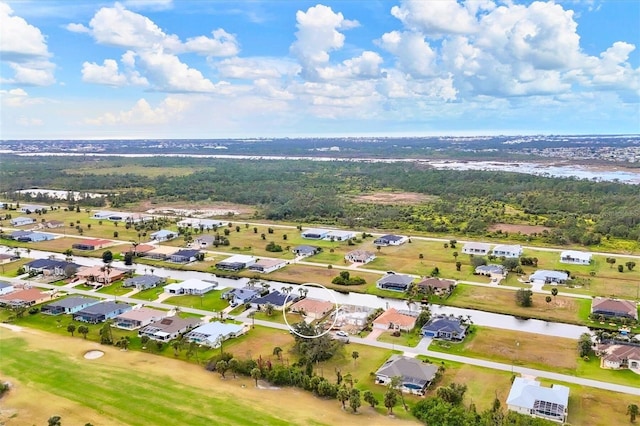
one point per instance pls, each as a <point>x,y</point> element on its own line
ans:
<point>341,334</point>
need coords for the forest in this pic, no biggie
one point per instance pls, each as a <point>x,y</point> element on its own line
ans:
<point>459,202</point>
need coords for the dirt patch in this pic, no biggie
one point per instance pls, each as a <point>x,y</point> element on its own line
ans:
<point>394,198</point>
<point>523,229</point>
<point>240,208</point>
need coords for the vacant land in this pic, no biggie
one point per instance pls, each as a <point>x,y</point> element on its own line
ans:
<point>136,388</point>
<point>514,229</point>
<point>397,198</point>
<point>502,300</point>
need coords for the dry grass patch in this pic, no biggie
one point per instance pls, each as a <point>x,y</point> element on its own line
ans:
<point>514,229</point>
<point>404,198</point>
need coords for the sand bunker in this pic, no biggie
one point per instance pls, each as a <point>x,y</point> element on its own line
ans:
<point>93,354</point>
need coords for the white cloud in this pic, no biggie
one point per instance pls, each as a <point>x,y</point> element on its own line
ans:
<point>143,113</point>
<point>318,35</point>
<point>414,54</point>
<point>167,72</point>
<point>256,68</point>
<point>24,48</point>
<point>149,4</point>
<point>29,122</point>
<point>17,98</point>
<point>108,73</point>
<point>77,28</point>
<point>221,44</point>
<point>438,17</point>
<point>365,66</point>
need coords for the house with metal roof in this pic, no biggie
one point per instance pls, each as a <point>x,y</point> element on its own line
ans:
<point>164,235</point>
<point>69,305</point>
<point>360,256</point>
<point>139,317</point>
<point>315,233</point>
<point>490,270</point>
<point>574,257</point>
<point>6,287</point>
<point>169,328</point>
<point>395,282</point>
<point>100,312</point>
<point>528,397</point>
<point>276,299</point>
<point>236,263</point>
<point>306,251</point>
<point>91,244</point>
<point>212,334</point>
<point>143,282</point>
<point>549,277</point>
<point>480,249</point>
<point>184,256</point>
<point>508,251</point>
<point>266,266</point>
<point>240,296</point>
<point>191,286</point>
<point>444,327</point>
<point>22,221</point>
<point>49,266</point>
<point>416,374</point>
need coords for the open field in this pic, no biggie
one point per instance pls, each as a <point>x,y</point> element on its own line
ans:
<point>210,301</point>
<point>502,300</point>
<point>93,391</point>
<point>138,170</point>
<point>391,198</point>
<point>115,289</point>
<point>523,229</point>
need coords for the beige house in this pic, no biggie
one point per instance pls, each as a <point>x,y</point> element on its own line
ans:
<point>313,309</point>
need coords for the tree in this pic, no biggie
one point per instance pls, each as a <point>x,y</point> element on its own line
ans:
<point>390,400</point>
<point>611,261</point>
<point>584,344</point>
<point>548,299</point>
<point>354,400</point>
<point>524,297</point>
<point>55,421</point>
<point>84,330</point>
<point>620,268</point>
<point>355,355</point>
<point>633,411</point>
<point>221,367</point>
<point>453,394</point>
<point>343,396</point>
<point>396,383</point>
<point>458,266</point>
<point>128,258</point>
<point>511,264</point>
<point>233,364</point>
<point>277,351</point>
<point>69,254</point>
<point>455,255</point>
<point>71,328</point>
<point>630,265</point>
<point>268,309</point>
<point>370,399</point>
<point>554,292</point>
<point>256,374</point>
<point>107,257</point>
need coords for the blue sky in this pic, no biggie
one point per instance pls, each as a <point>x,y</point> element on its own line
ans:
<point>211,69</point>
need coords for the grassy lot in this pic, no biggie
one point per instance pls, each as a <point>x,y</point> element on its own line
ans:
<point>139,170</point>
<point>405,339</point>
<point>278,317</point>
<point>260,342</point>
<point>211,301</point>
<point>10,270</point>
<point>115,289</point>
<point>502,300</point>
<point>149,294</point>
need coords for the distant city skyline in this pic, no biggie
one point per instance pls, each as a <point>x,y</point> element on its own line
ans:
<point>162,69</point>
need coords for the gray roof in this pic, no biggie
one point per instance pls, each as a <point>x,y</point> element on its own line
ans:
<point>143,279</point>
<point>72,302</point>
<point>4,284</point>
<point>103,308</point>
<point>305,249</point>
<point>412,370</point>
<point>390,237</point>
<point>171,325</point>
<point>544,274</point>
<point>396,279</point>
<point>444,324</point>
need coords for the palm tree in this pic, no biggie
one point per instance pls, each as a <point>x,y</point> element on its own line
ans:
<point>71,328</point>
<point>396,383</point>
<point>277,351</point>
<point>84,330</point>
<point>233,364</point>
<point>355,355</point>
<point>632,411</point>
<point>256,374</point>
<point>343,396</point>
<point>69,255</point>
<point>390,400</point>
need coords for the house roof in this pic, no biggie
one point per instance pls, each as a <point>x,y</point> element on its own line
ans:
<point>436,283</point>
<point>208,239</point>
<point>72,302</point>
<point>390,237</point>
<point>315,231</point>
<point>444,324</point>
<point>492,269</point>
<point>103,308</point>
<point>339,233</point>
<point>4,284</point>
<point>525,392</point>
<point>543,274</point>
<point>275,298</point>
<point>239,258</point>
<point>28,295</point>
<point>305,249</point>
<point>477,246</point>
<point>49,264</point>
<point>508,248</point>
<point>144,280</point>
<point>192,284</point>
<point>315,306</point>
<point>396,279</point>
<point>625,307</point>
<point>576,254</point>
<point>141,248</point>
<point>142,314</point>
<point>186,253</point>
<point>94,242</point>
<point>96,271</point>
<point>4,256</point>
<point>410,369</point>
<point>212,330</point>
<point>360,254</point>
<point>269,262</point>
<point>244,292</point>
<point>171,325</point>
<point>393,316</point>
<point>163,233</point>
<point>618,353</point>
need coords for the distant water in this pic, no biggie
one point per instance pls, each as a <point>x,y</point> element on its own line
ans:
<point>540,169</point>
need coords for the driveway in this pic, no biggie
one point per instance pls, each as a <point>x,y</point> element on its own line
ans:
<point>375,333</point>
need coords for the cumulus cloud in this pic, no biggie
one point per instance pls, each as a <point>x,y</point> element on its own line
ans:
<point>142,113</point>
<point>318,34</point>
<point>17,98</point>
<point>256,68</point>
<point>413,53</point>
<point>437,17</point>
<point>24,48</point>
<point>109,74</point>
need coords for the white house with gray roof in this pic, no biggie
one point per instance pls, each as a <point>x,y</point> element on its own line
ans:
<point>574,257</point>
<point>212,334</point>
<point>69,305</point>
<point>479,249</point>
<point>549,277</point>
<point>143,282</point>
<point>508,251</point>
<point>529,398</point>
<point>416,374</point>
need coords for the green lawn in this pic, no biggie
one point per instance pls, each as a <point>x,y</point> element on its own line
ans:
<point>410,339</point>
<point>115,289</point>
<point>149,294</point>
<point>211,301</point>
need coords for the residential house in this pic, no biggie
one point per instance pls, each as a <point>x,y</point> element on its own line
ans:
<point>236,263</point>
<point>490,270</point>
<point>575,257</point>
<point>22,221</point>
<point>140,249</point>
<point>480,249</point>
<point>276,299</point>
<point>24,297</point>
<point>353,317</point>
<point>169,328</point>
<point>8,258</point>
<point>416,375</point>
<point>97,276</point>
<point>528,397</point>
<point>390,240</point>
<point>240,296</point>
<point>160,252</point>
<point>508,251</point>
<point>33,208</point>
<point>91,244</point>
<point>201,224</point>
<point>549,277</point>
<point>338,235</point>
<point>53,224</point>
<point>306,251</point>
<point>360,256</point>
<point>312,309</point>
<point>6,288</point>
<point>100,312</point>
<point>137,318</point>
<point>164,235</point>
<point>393,319</point>
<point>266,266</point>
<point>315,233</point>
<point>143,282</point>
<point>184,256</point>
<point>620,356</point>
<point>395,282</point>
<point>203,241</point>
<point>32,237</point>
<point>614,308</point>
<point>49,267</point>
<point>191,286</point>
<point>444,327</point>
<point>436,286</point>
<point>212,334</point>
<point>69,305</point>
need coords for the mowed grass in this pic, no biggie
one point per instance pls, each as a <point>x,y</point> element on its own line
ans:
<point>210,301</point>
<point>502,300</point>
